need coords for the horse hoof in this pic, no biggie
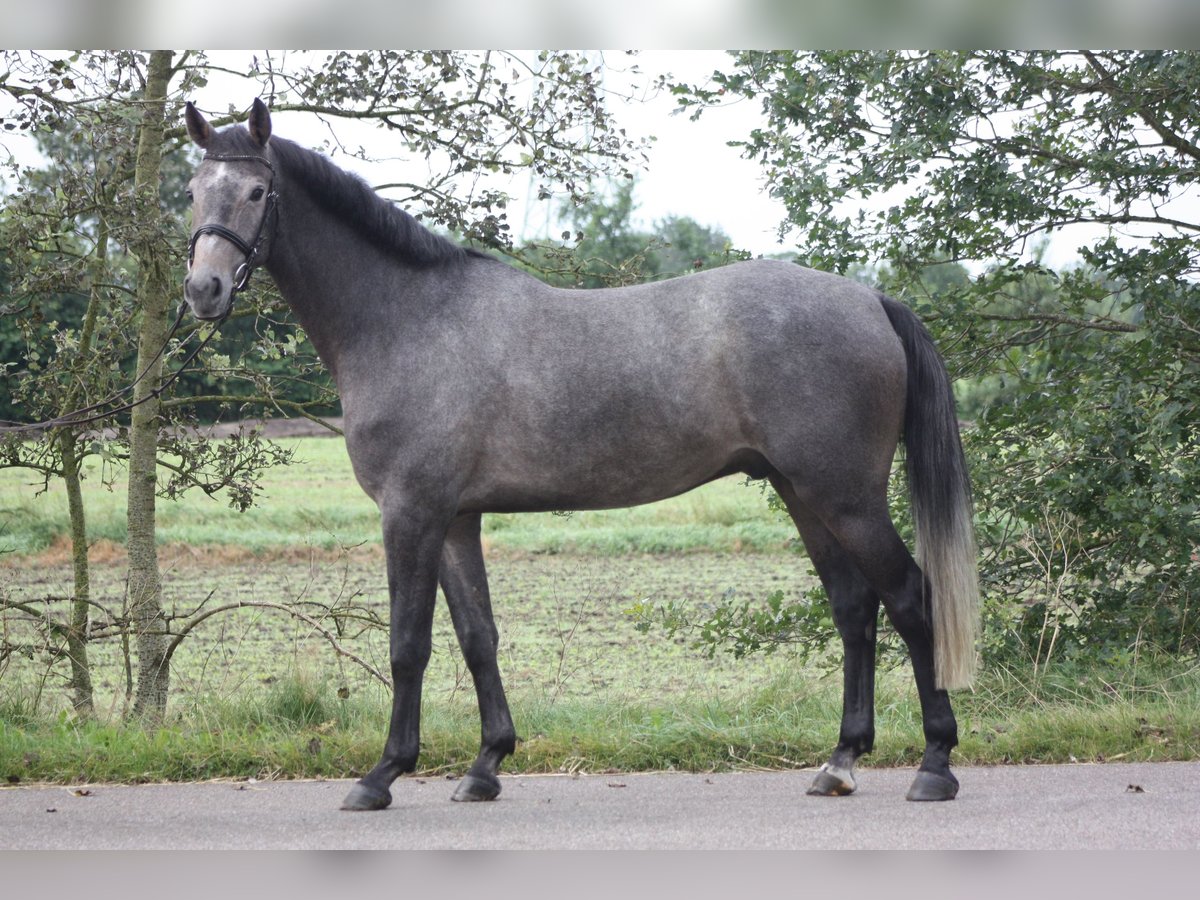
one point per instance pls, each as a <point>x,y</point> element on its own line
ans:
<point>832,781</point>
<point>474,788</point>
<point>931,786</point>
<point>363,798</point>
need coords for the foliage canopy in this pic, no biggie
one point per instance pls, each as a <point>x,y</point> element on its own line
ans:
<point>1081,383</point>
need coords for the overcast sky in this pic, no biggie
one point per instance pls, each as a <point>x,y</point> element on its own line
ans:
<point>691,170</point>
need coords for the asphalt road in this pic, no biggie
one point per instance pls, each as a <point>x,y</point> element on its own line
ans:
<point>1118,806</point>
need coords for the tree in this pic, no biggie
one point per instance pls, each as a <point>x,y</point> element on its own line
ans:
<point>469,116</point>
<point>612,250</point>
<point>604,248</point>
<point>57,232</point>
<point>153,254</point>
<point>1086,453</point>
<point>100,224</point>
<point>70,314</point>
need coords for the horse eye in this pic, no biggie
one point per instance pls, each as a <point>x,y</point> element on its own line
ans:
<point>256,194</point>
<point>190,197</point>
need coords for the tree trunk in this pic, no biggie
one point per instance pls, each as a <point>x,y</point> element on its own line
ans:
<point>82,697</point>
<point>145,584</point>
<point>77,629</point>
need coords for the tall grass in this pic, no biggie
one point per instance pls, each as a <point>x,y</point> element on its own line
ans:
<point>301,728</point>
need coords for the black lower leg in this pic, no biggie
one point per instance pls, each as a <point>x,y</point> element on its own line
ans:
<point>464,581</point>
<point>857,734</point>
<point>872,542</point>
<point>910,615</point>
<point>855,609</point>
<point>413,549</point>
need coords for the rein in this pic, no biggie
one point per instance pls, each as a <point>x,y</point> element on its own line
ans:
<point>80,416</point>
<point>88,414</point>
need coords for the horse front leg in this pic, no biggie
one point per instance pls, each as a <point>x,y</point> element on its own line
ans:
<point>464,582</point>
<point>413,538</point>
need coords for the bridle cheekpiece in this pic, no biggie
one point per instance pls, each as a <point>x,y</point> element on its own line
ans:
<point>250,250</point>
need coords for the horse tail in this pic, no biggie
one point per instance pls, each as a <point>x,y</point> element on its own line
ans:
<point>939,488</point>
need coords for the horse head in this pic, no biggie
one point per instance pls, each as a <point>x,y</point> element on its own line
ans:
<point>233,209</point>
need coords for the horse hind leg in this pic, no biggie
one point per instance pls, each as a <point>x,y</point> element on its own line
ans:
<point>464,582</point>
<point>870,541</point>
<point>855,608</point>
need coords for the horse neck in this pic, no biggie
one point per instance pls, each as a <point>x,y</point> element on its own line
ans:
<point>340,286</point>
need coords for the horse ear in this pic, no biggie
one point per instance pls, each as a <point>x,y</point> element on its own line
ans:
<point>260,123</point>
<point>198,128</point>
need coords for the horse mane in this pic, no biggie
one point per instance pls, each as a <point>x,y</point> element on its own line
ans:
<point>348,197</point>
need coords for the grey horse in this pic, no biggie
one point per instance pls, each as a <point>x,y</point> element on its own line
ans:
<point>471,387</point>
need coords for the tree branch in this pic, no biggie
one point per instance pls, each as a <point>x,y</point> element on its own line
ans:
<point>267,604</point>
<point>1109,85</point>
<point>1109,325</point>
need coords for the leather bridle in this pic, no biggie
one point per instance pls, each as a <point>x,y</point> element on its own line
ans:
<point>251,251</point>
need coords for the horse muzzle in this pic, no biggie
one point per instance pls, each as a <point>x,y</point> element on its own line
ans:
<point>208,295</point>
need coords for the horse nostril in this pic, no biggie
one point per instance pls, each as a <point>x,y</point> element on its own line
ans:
<point>215,286</point>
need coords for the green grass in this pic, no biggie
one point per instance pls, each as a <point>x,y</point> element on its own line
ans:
<point>316,503</point>
<point>301,729</point>
<point>256,693</point>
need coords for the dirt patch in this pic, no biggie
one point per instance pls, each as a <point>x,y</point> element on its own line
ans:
<point>60,553</point>
<point>276,428</point>
<point>104,552</point>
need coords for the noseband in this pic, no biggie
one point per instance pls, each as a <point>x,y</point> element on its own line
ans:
<point>249,250</point>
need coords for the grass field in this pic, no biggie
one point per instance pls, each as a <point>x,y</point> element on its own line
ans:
<point>256,692</point>
<point>315,503</point>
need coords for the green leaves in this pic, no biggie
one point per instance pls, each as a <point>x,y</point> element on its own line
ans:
<point>743,627</point>
<point>606,249</point>
<point>468,114</point>
<point>1081,386</point>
